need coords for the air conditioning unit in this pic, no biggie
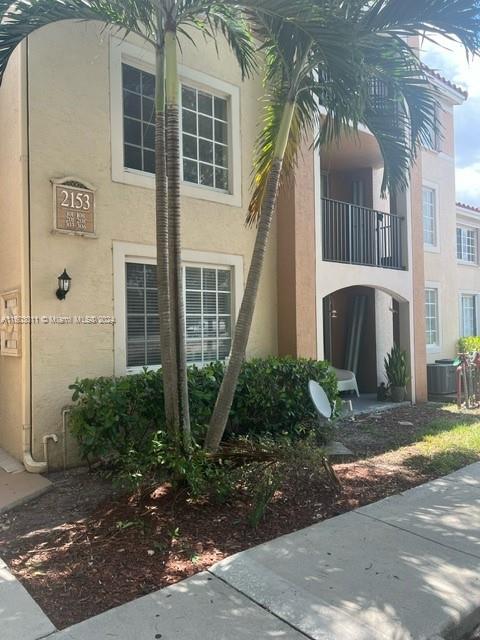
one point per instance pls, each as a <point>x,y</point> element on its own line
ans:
<point>441,379</point>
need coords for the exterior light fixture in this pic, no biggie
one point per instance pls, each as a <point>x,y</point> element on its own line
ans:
<point>64,281</point>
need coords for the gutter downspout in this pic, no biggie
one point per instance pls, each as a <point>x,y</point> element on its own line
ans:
<point>30,464</point>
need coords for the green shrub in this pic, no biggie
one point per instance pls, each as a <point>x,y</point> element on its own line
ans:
<point>122,420</point>
<point>117,417</point>
<point>272,395</point>
<point>469,344</point>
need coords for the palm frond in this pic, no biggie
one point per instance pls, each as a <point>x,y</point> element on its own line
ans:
<point>294,62</point>
<point>220,17</point>
<point>305,121</point>
<point>20,18</point>
<point>353,45</point>
<point>454,19</point>
<point>401,104</point>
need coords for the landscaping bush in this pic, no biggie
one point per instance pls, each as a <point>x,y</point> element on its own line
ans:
<point>122,420</point>
<point>468,345</point>
<point>272,395</point>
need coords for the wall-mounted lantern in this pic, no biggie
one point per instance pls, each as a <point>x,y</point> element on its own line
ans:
<point>64,282</point>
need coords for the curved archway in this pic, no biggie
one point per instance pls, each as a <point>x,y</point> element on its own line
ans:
<point>360,326</point>
<point>396,295</point>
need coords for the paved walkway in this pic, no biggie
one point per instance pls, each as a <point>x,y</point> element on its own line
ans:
<point>405,568</point>
<point>19,487</point>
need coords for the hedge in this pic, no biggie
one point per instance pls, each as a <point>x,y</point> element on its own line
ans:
<point>113,417</point>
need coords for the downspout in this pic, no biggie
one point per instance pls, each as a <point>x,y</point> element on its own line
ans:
<point>30,464</point>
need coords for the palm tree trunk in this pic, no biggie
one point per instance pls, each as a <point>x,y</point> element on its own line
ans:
<point>175,244</point>
<point>170,386</point>
<point>219,418</point>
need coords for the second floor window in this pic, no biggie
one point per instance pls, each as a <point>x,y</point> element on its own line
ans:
<point>138,119</point>
<point>205,130</point>
<point>205,138</point>
<point>429,217</point>
<point>467,245</point>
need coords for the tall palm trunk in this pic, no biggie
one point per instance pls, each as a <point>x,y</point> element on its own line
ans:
<point>170,386</point>
<point>225,396</point>
<point>175,244</point>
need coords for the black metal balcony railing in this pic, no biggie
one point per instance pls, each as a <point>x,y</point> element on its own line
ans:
<point>358,235</point>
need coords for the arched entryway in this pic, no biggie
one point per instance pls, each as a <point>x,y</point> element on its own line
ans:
<point>360,326</point>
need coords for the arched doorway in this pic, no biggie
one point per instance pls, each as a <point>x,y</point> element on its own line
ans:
<point>360,326</point>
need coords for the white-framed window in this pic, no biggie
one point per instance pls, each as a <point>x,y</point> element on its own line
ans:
<point>208,312</point>
<point>468,314</point>
<point>138,91</point>
<point>429,206</point>
<point>210,122</point>
<point>141,308</point>
<point>467,242</point>
<point>432,318</point>
<point>213,286</point>
<point>205,138</point>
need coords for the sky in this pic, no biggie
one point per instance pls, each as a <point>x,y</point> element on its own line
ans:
<point>450,60</point>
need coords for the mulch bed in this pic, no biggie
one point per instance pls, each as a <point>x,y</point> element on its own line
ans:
<point>82,549</point>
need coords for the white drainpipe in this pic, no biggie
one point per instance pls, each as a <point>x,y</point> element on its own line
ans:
<point>31,465</point>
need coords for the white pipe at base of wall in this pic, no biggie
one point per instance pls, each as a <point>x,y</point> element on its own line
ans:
<point>31,465</point>
<point>65,412</point>
<point>45,439</point>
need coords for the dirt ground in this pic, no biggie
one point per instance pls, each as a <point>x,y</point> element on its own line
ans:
<point>82,548</point>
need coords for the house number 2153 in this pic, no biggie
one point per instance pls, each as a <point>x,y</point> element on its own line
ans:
<point>72,200</point>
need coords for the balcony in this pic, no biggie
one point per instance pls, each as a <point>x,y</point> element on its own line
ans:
<point>358,235</point>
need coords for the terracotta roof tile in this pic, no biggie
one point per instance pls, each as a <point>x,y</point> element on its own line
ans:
<point>469,207</point>
<point>436,74</point>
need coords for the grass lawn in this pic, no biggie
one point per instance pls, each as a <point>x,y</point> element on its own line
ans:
<point>443,447</point>
<point>431,441</point>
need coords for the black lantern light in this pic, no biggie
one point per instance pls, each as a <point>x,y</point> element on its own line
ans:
<point>64,281</point>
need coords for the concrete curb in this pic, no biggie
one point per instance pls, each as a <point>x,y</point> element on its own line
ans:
<point>20,616</point>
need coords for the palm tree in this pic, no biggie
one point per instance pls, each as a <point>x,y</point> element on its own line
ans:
<point>331,56</point>
<point>160,24</point>
<point>210,17</point>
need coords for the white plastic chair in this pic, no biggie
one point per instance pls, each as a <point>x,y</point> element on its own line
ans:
<point>346,380</point>
<point>320,399</point>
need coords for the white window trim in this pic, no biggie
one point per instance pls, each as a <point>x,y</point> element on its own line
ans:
<point>433,248</point>
<point>436,348</point>
<point>144,253</point>
<point>468,292</point>
<point>122,51</point>
<point>467,263</point>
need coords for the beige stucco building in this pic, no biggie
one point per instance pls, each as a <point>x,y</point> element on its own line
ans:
<point>468,269</point>
<point>345,273</point>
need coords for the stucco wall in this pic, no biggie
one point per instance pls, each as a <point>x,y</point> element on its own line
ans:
<point>70,136</point>
<point>469,275</point>
<point>296,261</point>
<point>439,172</point>
<point>11,213</point>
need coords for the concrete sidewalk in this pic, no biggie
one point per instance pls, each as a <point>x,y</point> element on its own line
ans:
<point>405,568</point>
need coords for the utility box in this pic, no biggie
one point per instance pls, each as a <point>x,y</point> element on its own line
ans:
<point>441,379</point>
